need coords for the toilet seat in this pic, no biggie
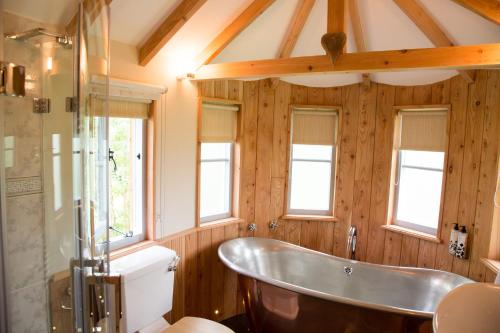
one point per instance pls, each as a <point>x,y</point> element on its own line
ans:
<point>197,325</point>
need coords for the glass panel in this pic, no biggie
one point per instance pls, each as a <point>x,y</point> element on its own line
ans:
<point>419,189</point>
<point>310,186</point>
<point>215,180</point>
<point>312,152</point>
<point>126,179</point>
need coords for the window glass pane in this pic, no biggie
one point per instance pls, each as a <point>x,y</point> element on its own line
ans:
<point>217,151</point>
<point>310,185</point>
<point>215,179</point>
<point>419,196</point>
<point>312,152</point>
<point>126,181</point>
<point>422,159</point>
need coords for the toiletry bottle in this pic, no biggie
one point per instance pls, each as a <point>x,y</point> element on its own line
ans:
<point>461,250</point>
<point>452,246</point>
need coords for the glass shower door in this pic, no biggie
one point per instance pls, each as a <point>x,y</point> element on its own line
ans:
<point>90,267</point>
<point>54,186</point>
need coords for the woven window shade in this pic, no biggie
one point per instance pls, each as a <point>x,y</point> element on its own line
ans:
<point>120,108</point>
<point>218,123</point>
<point>314,127</point>
<point>423,130</point>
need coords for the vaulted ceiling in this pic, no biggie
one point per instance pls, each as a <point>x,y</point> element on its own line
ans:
<point>385,27</point>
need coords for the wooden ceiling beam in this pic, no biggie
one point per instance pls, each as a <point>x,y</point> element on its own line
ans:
<point>424,21</point>
<point>452,57</point>
<point>293,31</point>
<point>335,38</point>
<point>167,29</point>
<point>295,27</point>
<point>254,10</point>
<point>359,39</point>
<point>489,9</point>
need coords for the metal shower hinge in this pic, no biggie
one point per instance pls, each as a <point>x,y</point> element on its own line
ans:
<point>41,105</point>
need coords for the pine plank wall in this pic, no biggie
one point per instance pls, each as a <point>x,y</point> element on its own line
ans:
<point>204,287</point>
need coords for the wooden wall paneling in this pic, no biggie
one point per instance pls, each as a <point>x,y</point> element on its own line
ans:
<point>441,92</point>
<point>364,164</point>
<point>235,90</point>
<point>427,250</point>
<point>393,241</point>
<point>392,248</point>
<point>309,235</point>
<point>265,122</point>
<point>281,132</point>
<point>221,89</point>
<point>325,236</point>
<point>191,304</point>
<point>178,305</point>
<point>384,128</point>
<point>315,96</point>
<point>299,95</point>
<point>333,96</point>
<point>456,145</point>
<point>292,231</point>
<point>206,88</point>
<point>409,251</point>
<point>277,207</point>
<point>344,182</point>
<point>217,310</point>
<point>487,177</point>
<point>471,164</point>
<point>249,152</point>
<point>230,278</point>
<point>204,272</point>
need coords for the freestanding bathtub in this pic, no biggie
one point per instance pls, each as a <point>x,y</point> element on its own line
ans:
<point>290,289</point>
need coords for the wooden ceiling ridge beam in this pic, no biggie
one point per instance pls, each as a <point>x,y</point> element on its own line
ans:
<point>254,10</point>
<point>452,57</point>
<point>167,29</point>
<point>430,28</point>
<point>293,31</point>
<point>359,39</point>
<point>489,9</point>
<point>335,38</point>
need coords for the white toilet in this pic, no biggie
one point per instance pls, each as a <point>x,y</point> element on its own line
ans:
<point>147,287</point>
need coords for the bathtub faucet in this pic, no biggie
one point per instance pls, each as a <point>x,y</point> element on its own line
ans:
<point>351,242</point>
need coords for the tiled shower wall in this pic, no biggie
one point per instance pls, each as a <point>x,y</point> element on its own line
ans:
<point>25,236</point>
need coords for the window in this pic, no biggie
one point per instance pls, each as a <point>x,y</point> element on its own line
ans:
<point>218,135</point>
<point>312,162</point>
<point>420,169</point>
<point>127,171</point>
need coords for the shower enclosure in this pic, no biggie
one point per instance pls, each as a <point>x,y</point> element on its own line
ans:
<point>54,174</point>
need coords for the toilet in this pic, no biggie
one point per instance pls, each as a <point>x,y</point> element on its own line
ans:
<point>147,288</point>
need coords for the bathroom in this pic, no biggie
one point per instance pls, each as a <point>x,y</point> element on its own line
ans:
<point>154,132</point>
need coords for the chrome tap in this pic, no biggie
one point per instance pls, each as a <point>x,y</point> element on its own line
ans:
<point>351,242</point>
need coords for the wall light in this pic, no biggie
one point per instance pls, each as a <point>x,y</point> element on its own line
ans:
<point>49,63</point>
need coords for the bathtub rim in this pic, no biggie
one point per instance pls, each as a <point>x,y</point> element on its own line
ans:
<point>330,297</point>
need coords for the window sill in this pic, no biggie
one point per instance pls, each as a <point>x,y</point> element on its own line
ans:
<point>130,249</point>
<point>321,218</point>
<point>491,264</point>
<point>411,233</point>
<point>218,223</point>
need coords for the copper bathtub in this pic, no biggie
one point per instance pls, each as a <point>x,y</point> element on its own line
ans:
<point>288,289</point>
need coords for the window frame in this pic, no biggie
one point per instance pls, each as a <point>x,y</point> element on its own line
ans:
<point>317,214</point>
<point>128,241</point>
<point>234,165</point>
<point>405,226</point>
<point>229,213</point>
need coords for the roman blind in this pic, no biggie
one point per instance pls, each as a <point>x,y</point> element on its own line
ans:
<point>218,122</point>
<point>423,130</point>
<point>314,127</point>
<point>120,108</point>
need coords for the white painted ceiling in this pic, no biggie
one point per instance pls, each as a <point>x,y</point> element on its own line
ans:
<point>385,27</point>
